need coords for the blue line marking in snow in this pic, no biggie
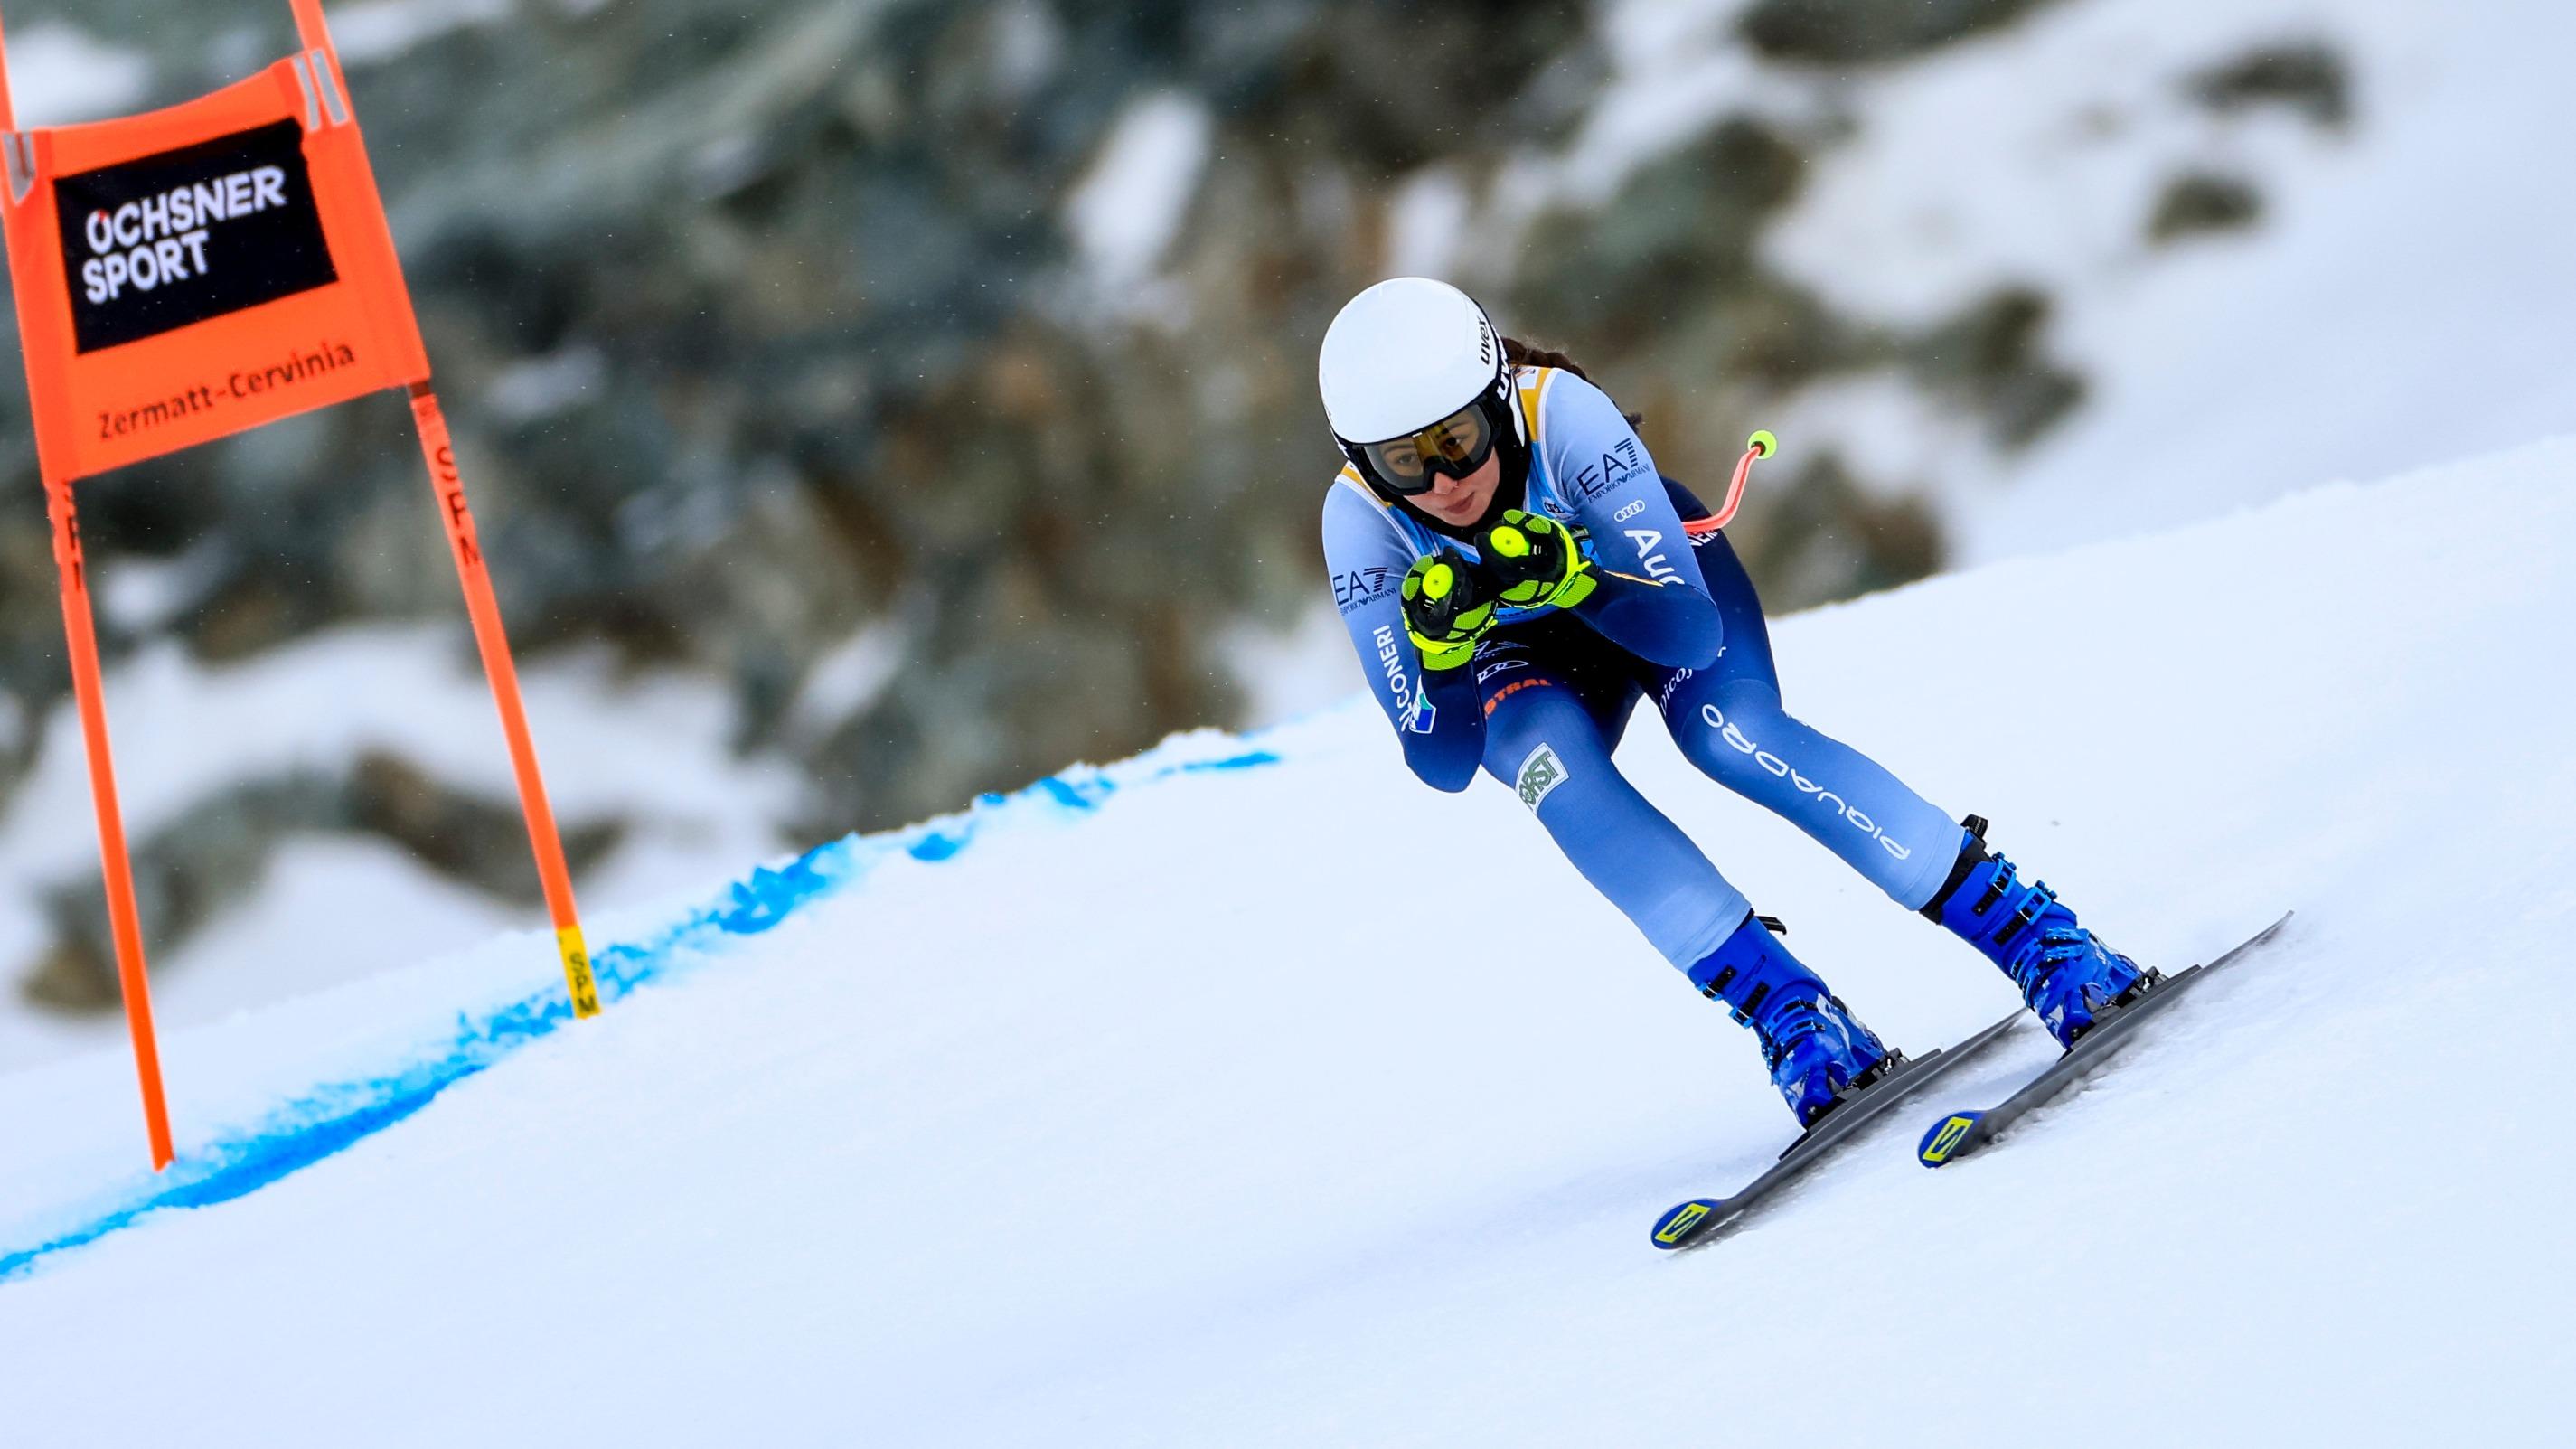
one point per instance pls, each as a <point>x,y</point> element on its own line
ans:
<point>332,1118</point>
<point>1250,759</point>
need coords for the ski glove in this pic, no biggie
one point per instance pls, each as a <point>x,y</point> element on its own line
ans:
<point>1447,608</point>
<point>1534,561</point>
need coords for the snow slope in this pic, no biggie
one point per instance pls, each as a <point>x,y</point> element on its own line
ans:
<point>1167,1105</point>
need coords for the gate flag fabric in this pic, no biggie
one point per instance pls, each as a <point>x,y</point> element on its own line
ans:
<point>191,273</point>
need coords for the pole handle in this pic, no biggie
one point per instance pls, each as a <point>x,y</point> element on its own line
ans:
<point>1760,445</point>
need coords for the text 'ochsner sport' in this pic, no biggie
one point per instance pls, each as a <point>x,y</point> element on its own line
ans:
<point>162,239</point>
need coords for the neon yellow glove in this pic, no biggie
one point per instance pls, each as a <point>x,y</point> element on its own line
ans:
<point>1535,560</point>
<point>1445,609</point>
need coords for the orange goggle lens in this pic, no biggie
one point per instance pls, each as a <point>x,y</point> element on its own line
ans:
<point>1456,445</point>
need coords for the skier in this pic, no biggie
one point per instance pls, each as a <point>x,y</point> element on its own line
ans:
<point>1516,575</point>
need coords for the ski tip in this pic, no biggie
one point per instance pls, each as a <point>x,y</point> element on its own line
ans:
<point>1680,1224</point>
<point>1946,1138</point>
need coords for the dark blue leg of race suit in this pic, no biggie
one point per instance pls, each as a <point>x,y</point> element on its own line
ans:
<point>1557,699</point>
<point>1554,686</point>
<point>1728,721</point>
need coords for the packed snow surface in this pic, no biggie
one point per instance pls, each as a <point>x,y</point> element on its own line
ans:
<point>1219,1098</point>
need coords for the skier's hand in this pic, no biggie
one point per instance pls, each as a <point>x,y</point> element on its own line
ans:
<point>1533,560</point>
<point>1447,608</point>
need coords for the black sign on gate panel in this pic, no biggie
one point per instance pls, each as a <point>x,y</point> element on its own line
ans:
<point>170,240</point>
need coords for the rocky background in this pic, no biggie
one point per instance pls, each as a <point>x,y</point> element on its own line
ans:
<point>776,332</point>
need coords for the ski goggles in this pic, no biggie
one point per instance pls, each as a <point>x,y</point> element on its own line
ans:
<point>1455,446</point>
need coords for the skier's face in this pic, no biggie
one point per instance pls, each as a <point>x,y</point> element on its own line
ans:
<point>1460,502</point>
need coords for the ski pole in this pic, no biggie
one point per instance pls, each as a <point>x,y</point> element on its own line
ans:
<point>1760,445</point>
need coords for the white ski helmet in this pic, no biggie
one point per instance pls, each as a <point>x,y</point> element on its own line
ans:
<point>1414,382</point>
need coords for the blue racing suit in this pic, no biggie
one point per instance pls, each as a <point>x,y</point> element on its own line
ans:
<point>1547,696</point>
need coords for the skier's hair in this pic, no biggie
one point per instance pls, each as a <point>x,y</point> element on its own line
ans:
<point>1529,354</point>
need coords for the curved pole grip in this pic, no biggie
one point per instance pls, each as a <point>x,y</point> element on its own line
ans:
<point>1760,445</point>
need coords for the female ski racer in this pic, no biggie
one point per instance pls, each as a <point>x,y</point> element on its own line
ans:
<point>1516,576</point>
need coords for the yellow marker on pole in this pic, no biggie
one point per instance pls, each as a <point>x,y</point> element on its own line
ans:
<point>576,964</point>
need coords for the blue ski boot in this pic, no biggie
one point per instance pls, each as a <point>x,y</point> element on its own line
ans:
<point>2067,976</point>
<point>1817,1053</point>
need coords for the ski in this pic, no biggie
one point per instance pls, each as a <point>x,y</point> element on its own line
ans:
<point>1963,1132</point>
<point>1698,1221</point>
